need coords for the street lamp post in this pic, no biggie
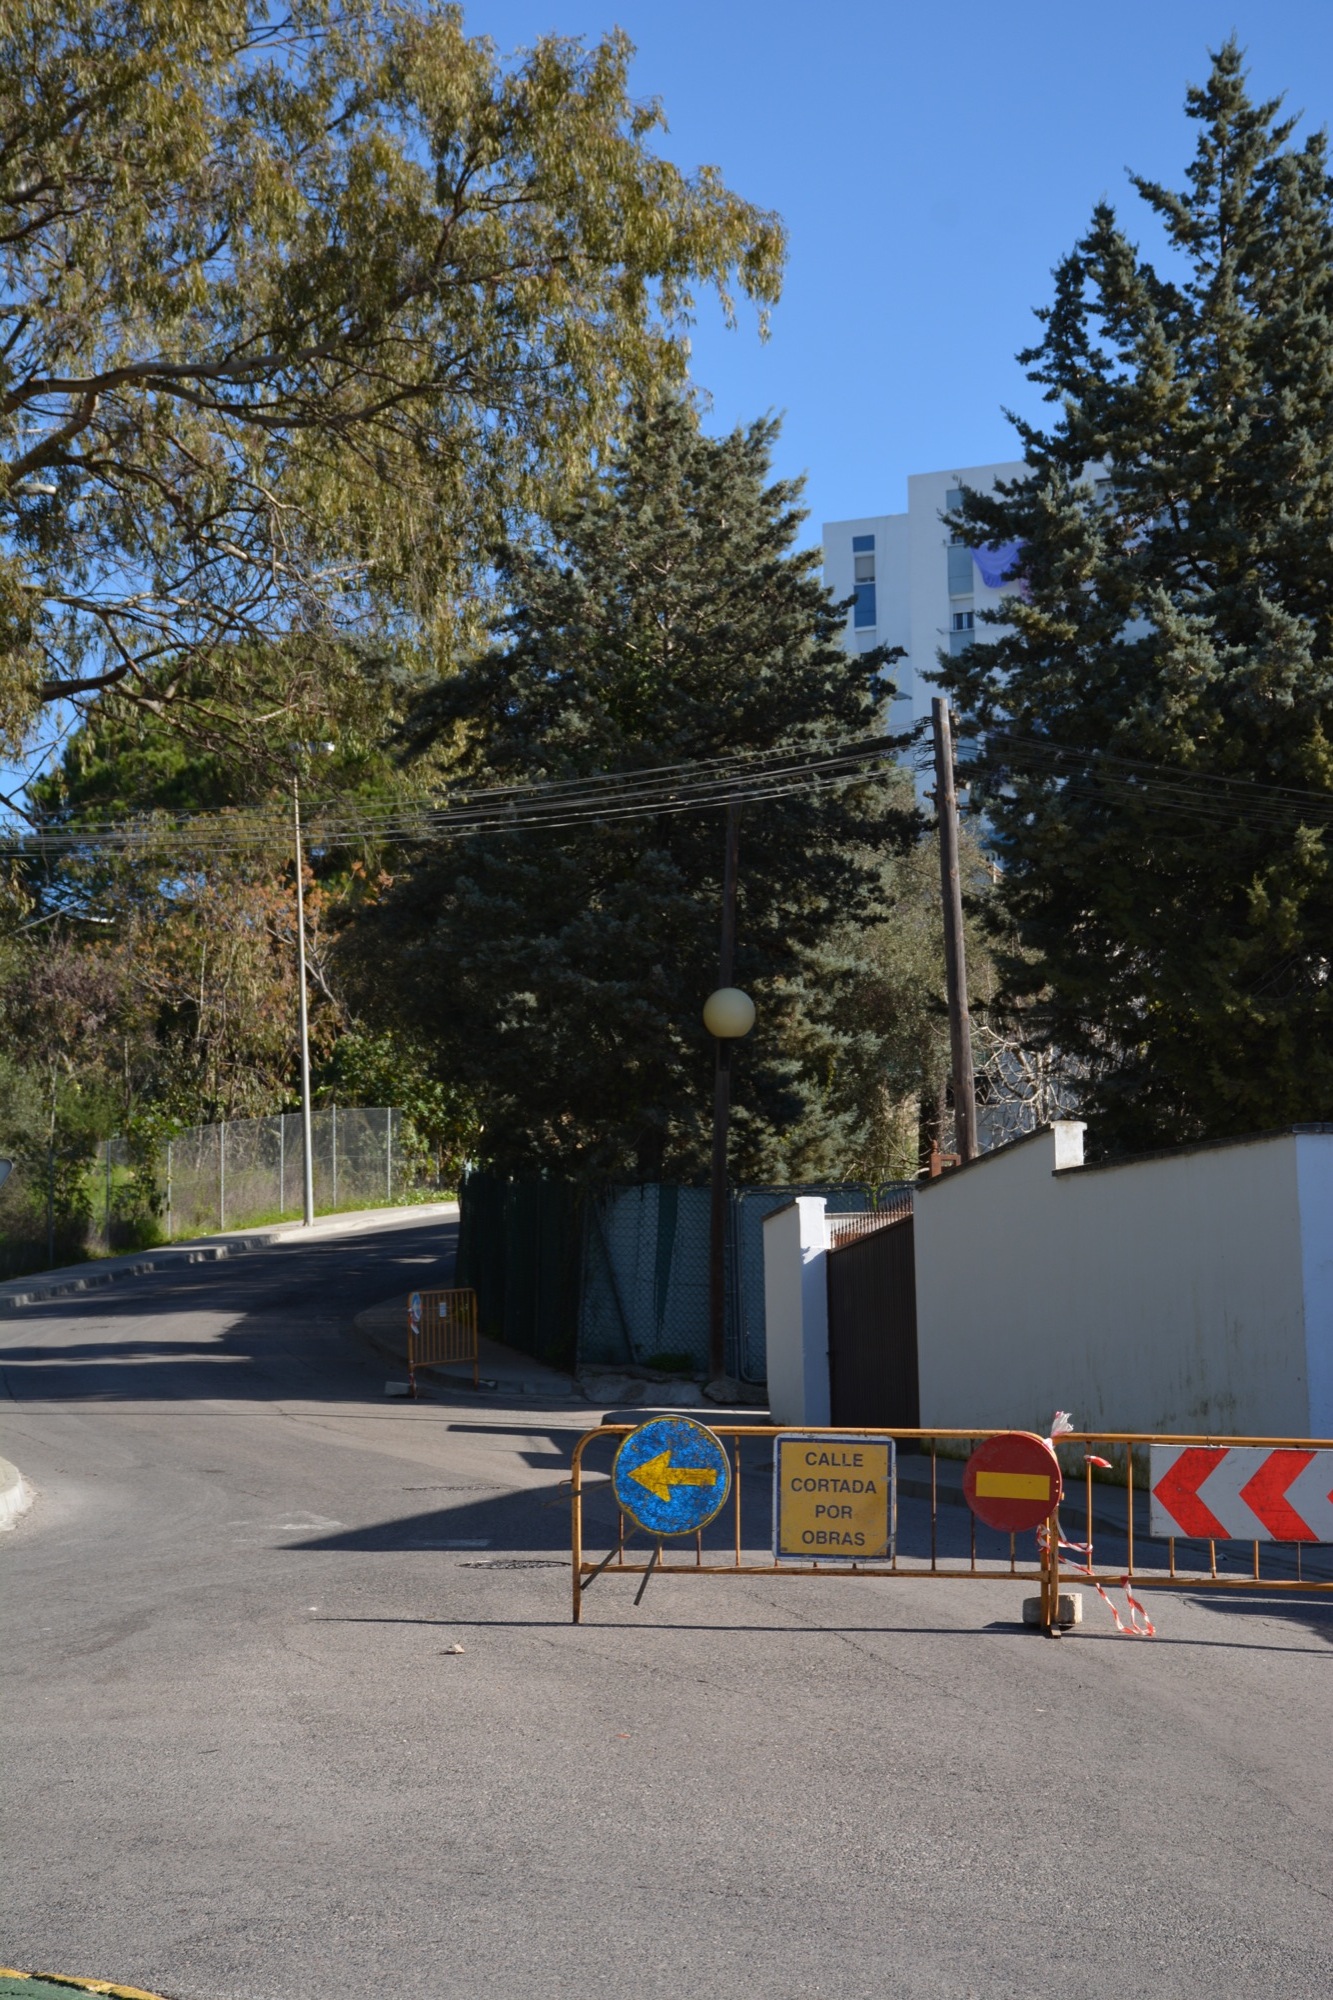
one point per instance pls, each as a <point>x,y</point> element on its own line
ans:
<point>728,1015</point>
<point>307,1142</point>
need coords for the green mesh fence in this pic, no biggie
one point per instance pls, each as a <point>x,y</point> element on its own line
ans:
<point>617,1277</point>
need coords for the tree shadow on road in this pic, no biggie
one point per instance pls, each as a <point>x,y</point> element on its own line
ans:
<point>282,1325</point>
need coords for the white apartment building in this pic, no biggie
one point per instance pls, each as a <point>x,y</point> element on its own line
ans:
<point>914,587</point>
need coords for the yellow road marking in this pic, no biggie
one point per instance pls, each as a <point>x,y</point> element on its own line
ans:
<point>83,1985</point>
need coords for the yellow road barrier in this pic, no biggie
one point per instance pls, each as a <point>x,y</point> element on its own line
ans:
<point>1148,1468</point>
<point>442,1327</point>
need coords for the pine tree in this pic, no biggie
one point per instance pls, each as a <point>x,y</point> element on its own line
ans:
<point>559,976</point>
<point>1168,658</point>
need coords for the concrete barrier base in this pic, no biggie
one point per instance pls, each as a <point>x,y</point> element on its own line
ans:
<point>15,1494</point>
<point>1071,1609</point>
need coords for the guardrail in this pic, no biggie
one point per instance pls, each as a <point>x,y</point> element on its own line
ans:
<point>936,1548</point>
<point>442,1327</point>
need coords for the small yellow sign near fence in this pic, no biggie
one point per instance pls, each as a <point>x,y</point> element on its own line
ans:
<point>834,1497</point>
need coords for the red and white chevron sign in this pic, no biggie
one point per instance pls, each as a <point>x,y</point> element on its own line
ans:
<point>1241,1493</point>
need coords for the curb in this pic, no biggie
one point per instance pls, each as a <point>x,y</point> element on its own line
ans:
<point>207,1250</point>
<point>16,1496</point>
<point>81,1985</point>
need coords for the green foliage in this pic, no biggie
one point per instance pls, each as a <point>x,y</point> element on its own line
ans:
<point>893,1073</point>
<point>156,749</point>
<point>558,976</point>
<point>387,1069</point>
<point>1180,615</point>
<point>195,928</point>
<point>301,311</point>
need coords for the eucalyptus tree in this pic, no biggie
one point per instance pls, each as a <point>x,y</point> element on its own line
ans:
<point>301,309</point>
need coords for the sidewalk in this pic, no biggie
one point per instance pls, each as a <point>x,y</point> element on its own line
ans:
<point>504,1371</point>
<point>74,1278</point>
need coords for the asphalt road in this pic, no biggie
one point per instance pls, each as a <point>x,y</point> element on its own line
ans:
<point>239,1762</point>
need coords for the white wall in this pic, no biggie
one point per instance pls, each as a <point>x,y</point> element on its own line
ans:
<point>892,596</point>
<point>928,570</point>
<point>796,1312</point>
<point>1314,1182</point>
<point>1161,1294</point>
<point>912,580</point>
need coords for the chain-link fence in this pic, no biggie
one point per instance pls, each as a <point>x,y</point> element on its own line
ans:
<point>61,1205</point>
<point>45,1209</point>
<point>249,1170</point>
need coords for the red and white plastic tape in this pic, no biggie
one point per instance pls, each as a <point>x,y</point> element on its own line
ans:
<point>1139,1625</point>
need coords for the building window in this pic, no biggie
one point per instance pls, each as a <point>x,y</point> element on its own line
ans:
<point>960,570</point>
<point>953,499</point>
<point>863,577</point>
<point>960,621</point>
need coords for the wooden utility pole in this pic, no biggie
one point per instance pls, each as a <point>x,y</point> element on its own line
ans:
<point>717,1208</point>
<point>955,956</point>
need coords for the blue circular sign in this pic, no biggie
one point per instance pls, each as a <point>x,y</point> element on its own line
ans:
<point>671,1476</point>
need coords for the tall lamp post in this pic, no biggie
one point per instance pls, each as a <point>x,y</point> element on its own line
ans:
<point>307,1141</point>
<point>728,1015</point>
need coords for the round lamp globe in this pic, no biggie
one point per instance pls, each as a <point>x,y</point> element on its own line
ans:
<point>728,1013</point>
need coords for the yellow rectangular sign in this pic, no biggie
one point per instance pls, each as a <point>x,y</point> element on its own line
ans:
<point>1014,1485</point>
<point>834,1497</point>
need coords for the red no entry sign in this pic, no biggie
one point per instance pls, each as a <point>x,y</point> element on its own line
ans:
<point>1012,1481</point>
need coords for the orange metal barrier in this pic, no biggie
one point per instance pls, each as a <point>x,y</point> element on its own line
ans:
<point>1286,1565</point>
<point>447,1332</point>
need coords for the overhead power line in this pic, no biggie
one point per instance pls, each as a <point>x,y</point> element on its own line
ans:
<point>551,804</point>
<point>1173,791</point>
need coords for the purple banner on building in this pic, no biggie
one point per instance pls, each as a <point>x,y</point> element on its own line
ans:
<point>998,564</point>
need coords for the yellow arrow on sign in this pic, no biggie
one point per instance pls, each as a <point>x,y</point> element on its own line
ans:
<point>659,1475</point>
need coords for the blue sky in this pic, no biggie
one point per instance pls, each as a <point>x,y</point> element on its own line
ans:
<point>931,163</point>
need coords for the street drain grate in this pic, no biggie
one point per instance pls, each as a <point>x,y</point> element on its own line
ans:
<point>522,1562</point>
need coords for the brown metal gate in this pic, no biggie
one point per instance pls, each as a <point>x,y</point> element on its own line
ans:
<point>872,1323</point>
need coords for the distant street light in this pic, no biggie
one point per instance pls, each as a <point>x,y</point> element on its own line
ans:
<point>728,1013</point>
<point>303,752</point>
